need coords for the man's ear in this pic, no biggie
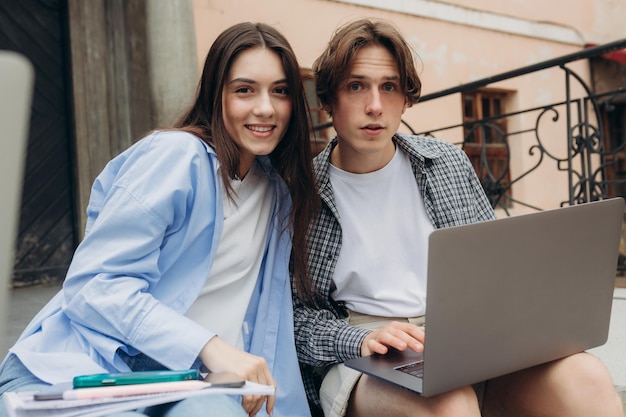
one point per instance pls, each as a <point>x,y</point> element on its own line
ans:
<point>328,109</point>
<point>406,104</point>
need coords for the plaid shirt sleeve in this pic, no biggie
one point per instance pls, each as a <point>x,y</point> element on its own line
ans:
<point>323,337</point>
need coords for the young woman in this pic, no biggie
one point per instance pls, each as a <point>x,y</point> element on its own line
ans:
<point>188,243</point>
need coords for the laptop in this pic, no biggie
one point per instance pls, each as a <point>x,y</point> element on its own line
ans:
<point>508,294</point>
<point>16,89</point>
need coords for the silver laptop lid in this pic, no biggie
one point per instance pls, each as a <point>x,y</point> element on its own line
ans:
<point>511,293</point>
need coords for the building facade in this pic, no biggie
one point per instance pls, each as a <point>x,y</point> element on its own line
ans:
<point>107,71</point>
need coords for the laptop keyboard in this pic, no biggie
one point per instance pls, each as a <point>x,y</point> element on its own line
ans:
<point>415,368</point>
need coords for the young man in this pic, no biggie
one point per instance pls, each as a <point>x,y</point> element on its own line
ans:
<point>382,194</point>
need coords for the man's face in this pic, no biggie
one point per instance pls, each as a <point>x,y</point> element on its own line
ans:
<point>368,111</point>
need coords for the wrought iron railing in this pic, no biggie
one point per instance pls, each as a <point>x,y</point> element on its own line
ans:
<point>592,162</point>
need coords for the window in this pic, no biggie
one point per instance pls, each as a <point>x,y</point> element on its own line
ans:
<point>319,117</point>
<point>614,115</point>
<point>485,141</point>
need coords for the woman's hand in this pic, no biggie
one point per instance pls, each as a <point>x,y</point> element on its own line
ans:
<point>219,356</point>
<point>396,335</point>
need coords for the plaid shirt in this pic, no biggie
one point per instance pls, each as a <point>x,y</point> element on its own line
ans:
<point>452,196</point>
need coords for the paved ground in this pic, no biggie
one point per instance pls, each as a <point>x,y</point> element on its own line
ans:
<point>25,303</point>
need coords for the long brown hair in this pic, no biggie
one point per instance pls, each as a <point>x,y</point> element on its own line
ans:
<point>291,158</point>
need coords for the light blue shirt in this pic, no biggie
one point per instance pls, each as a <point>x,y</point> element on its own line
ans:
<point>154,221</point>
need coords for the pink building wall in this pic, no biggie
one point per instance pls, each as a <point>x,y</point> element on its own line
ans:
<point>457,41</point>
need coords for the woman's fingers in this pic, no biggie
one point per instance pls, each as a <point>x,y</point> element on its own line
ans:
<point>253,403</point>
<point>219,356</point>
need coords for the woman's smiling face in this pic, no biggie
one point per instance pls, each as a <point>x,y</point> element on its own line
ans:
<point>256,104</point>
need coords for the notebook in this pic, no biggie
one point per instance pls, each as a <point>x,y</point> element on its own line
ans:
<point>508,294</point>
<point>16,87</point>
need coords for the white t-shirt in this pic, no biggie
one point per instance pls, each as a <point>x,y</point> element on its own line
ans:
<point>223,301</point>
<point>382,267</point>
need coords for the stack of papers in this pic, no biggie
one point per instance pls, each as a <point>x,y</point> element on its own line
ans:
<point>23,404</point>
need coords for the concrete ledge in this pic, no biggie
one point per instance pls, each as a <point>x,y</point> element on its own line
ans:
<point>622,394</point>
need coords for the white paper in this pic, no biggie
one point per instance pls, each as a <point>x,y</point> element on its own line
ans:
<point>22,404</point>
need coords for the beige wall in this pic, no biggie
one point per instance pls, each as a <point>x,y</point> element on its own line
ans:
<point>457,41</point>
